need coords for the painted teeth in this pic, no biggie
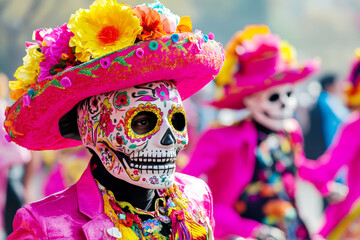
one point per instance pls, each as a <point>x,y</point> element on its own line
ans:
<point>162,161</point>
<point>153,159</point>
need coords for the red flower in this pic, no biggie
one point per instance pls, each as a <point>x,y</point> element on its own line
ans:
<point>134,217</point>
<point>119,140</point>
<point>122,100</point>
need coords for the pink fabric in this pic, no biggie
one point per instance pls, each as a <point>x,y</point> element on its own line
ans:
<point>78,212</point>
<point>191,64</point>
<point>54,181</point>
<point>250,84</point>
<point>226,156</point>
<point>345,151</point>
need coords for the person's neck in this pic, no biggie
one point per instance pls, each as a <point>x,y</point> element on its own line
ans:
<point>261,128</point>
<point>123,191</point>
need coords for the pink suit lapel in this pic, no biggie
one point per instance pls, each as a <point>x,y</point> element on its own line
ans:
<point>91,204</point>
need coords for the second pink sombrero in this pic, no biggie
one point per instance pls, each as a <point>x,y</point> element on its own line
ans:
<point>255,60</point>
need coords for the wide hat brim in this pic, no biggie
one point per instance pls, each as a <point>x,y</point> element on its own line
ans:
<point>250,84</point>
<point>191,61</point>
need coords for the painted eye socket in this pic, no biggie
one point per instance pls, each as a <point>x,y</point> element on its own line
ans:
<point>178,121</point>
<point>274,97</point>
<point>144,122</point>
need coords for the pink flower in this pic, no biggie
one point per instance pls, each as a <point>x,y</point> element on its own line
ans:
<point>105,62</point>
<point>163,93</point>
<point>55,46</point>
<point>139,52</point>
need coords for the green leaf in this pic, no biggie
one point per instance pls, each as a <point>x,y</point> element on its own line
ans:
<point>56,83</point>
<point>86,72</point>
<point>132,146</point>
<point>11,134</point>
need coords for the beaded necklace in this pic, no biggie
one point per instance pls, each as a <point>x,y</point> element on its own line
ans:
<point>132,223</point>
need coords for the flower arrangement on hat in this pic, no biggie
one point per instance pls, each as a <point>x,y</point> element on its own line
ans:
<point>104,28</point>
<point>107,47</point>
<point>256,59</point>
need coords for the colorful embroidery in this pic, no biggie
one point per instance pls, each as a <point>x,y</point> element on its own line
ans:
<point>270,196</point>
<point>170,214</point>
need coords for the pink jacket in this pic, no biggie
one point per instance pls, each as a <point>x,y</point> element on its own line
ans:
<point>345,151</point>
<point>226,156</point>
<point>78,212</point>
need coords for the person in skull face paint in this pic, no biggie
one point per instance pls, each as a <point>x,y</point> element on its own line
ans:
<point>119,92</point>
<point>342,219</point>
<point>251,166</point>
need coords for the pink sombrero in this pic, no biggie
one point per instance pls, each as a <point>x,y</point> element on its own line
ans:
<point>190,59</point>
<point>256,60</point>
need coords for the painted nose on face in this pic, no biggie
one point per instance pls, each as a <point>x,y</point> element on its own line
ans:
<point>168,138</point>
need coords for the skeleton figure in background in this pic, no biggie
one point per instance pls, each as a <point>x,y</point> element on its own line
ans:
<point>273,106</point>
<point>251,166</point>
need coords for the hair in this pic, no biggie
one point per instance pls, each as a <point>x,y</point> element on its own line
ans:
<point>327,80</point>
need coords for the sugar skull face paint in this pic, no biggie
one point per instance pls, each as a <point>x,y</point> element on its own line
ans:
<point>273,106</point>
<point>137,132</point>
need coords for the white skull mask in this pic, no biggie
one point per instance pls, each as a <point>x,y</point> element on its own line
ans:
<point>271,107</point>
<point>137,132</point>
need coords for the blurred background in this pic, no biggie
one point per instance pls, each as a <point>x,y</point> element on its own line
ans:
<point>325,28</point>
<point>328,29</point>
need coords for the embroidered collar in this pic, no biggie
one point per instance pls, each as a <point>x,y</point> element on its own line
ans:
<point>170,213</point>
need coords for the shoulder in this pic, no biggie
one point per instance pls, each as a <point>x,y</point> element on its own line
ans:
<point>189,181</point>
<point>195,189</point>
<point>240,127</point>
<point>199,196</point>
<point>64,201</point>
<point>44,218</point>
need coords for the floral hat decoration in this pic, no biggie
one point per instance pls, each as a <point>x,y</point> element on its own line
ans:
<point>352,89</point>
<point>107,47</point>
<point>256,59</point>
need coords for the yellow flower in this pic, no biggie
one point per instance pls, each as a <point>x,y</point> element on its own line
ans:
<point>106,27</point>
<point>288,53</point>
<point>226,73</point>
<point>26,74</point>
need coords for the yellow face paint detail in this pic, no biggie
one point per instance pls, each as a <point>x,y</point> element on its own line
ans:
<point>130,114</point>
<point>174,110</point>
